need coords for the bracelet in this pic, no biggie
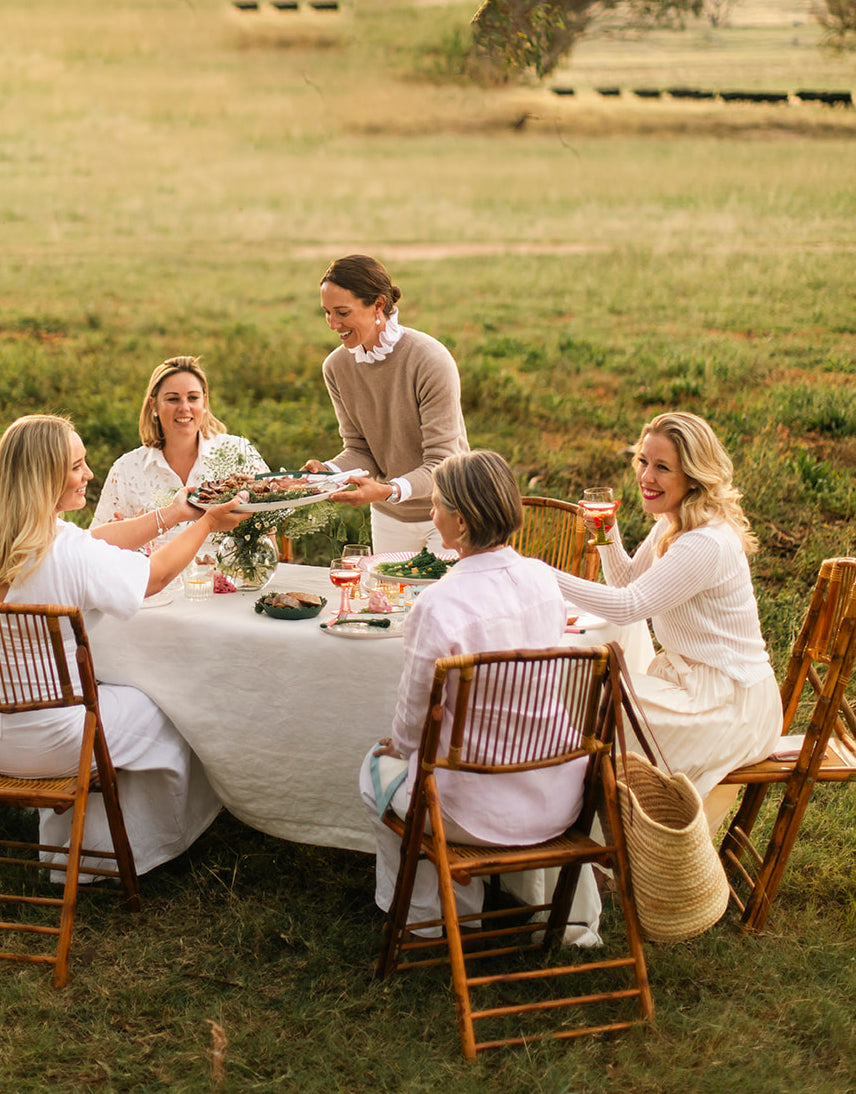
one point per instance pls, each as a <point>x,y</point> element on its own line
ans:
<point>160,522</point>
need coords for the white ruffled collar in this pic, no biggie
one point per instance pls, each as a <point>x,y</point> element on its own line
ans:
<point>389,338</point>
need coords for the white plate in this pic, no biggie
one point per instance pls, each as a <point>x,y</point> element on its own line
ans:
<point>158,600</point>
<point>369,564</point>
<point>326,484</point>
<point>588,622</point>
<point>361,631</point>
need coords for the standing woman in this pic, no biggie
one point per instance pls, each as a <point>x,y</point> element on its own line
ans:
<point>710,696</point>
<point>166,799</point>
<point>397,397</point>
<point>179,433</point>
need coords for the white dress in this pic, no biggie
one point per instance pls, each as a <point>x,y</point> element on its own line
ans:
<point>710,697</point>
<point>166,799</point>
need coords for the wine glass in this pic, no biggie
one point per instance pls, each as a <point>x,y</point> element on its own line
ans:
<point>344,577</point>
<point>600,502</point>
<point>352,556</point>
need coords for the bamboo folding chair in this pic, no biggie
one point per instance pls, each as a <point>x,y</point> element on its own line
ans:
<point>555,532</point>
<point>499,726</point>
<point>818,674</point>
<point>35,675</point>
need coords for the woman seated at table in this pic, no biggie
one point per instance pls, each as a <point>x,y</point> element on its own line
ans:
<point>179,435</point>
<point>166,799</point>
<point>492,599</point>
<point>397,396</point>
<point>710,696</point>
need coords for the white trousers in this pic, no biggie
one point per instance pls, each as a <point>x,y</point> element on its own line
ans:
<point>389,534</point>
<point>529,886</point>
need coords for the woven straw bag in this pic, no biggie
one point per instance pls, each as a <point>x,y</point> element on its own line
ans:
<point>678,881</point>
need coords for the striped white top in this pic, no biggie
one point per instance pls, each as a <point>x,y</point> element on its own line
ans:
<point>698,595</point>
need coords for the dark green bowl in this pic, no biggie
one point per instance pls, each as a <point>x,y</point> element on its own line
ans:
<point>287,613</point>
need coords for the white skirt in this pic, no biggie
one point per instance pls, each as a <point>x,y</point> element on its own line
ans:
<point>702,722</point>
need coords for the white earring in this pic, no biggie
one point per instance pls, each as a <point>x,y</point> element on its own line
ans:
<point>154,414</point>
<point>377,321</point>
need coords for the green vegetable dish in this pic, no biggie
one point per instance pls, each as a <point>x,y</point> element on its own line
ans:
<point>421,566</point>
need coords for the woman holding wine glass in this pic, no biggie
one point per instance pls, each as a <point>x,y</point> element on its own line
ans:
<point>710,696</point>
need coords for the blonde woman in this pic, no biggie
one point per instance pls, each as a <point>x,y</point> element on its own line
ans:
<point>166,799</point>
<point>710,695</point>
<point>179,434</point>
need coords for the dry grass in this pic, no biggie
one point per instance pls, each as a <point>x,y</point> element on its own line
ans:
<point>175,180</point>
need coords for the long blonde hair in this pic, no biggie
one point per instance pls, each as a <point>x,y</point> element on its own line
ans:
<point>151,432</point>
<point>712,495</point>
<point>35,460</point>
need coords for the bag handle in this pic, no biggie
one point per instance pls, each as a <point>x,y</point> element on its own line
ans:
<point>624,696</point>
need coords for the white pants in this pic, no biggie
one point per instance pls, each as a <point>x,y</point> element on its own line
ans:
<point>529,885</point>
<point>166,799</point>
<point>389,534</point>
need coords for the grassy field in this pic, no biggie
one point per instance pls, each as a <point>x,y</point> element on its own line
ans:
<point>175,178</point>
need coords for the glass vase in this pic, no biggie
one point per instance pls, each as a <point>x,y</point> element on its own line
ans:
<point>249,565</point>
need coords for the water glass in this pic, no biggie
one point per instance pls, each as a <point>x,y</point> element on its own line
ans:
<point>198,583</point>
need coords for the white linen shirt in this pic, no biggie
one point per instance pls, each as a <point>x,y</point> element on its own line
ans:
<point>495,600</point>
<point>87,573</point>
<point>698,595</point>
<point>142,480</point>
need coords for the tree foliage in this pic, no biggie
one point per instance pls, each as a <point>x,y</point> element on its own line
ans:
<point>513,37</point>
<point>838,19</point>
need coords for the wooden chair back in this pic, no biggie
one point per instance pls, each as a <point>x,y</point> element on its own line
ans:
<point>516,711</point>
<point>555,531</point>
<point>35,674</point>
<point>814,692</point>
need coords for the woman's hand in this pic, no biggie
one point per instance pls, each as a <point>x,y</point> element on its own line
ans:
<point>222,518</point>
<point>179,510</point>
<point>314,467</point>
<point>367,491</point>
<point>385,749</point>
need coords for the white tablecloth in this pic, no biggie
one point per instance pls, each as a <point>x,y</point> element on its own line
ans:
<point>280,713</point>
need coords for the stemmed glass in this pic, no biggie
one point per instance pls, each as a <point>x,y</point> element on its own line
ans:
<point>352,556</point>
<point>600,502</point>
<point>344,577</point>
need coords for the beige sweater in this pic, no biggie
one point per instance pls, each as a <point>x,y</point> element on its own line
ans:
<point>400,417</point>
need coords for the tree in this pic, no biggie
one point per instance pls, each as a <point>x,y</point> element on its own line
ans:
<point>718,12</point>
<point>838,19</point>
<point>511,37</point>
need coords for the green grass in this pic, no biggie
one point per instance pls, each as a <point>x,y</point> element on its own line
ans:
<point>175,178</point>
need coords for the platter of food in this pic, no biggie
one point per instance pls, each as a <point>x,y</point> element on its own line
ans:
<point>280,490</point>
<point>410,567</point>
<point>290,605</point>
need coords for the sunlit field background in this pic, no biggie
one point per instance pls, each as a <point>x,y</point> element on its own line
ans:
<point>176,175</point>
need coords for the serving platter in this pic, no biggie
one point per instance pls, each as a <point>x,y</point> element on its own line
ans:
<point>322,484</point>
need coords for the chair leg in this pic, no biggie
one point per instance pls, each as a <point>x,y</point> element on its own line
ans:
<point>624,884</point>
<point>396,920</point>
<point>69,892</point>
<point>118,833</point>
<point>782,840</point>
<point>456,949</point>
